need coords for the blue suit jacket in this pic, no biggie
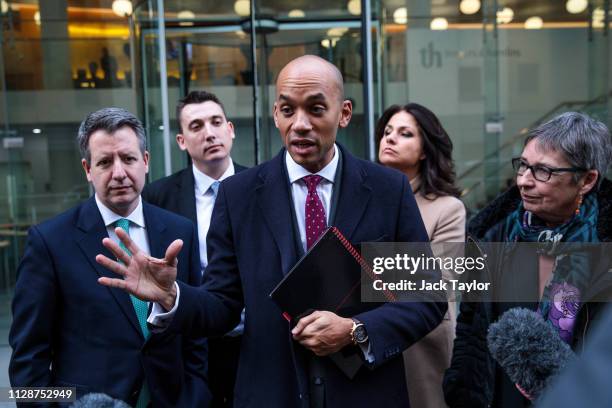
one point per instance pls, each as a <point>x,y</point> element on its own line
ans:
<point>251,246</point>
<point>68,330</point>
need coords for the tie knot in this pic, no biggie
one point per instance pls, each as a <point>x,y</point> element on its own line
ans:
<point>214,187</point>
<point>124,224</point>
<point>312,182</point>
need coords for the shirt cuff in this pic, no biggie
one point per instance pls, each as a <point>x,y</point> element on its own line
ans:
<point>366,349</point>
<point>159,319</point>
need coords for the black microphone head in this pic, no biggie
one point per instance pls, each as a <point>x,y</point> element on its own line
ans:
<point>99,400</point>
<point>528,348</point>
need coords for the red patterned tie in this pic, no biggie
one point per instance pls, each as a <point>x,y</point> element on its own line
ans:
<point>315,213</point>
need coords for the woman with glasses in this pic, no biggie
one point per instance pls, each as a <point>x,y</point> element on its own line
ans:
<point>561,198</point>
<point>412,140</point>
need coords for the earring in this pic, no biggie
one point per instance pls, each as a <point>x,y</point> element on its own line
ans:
<point>579,204</point>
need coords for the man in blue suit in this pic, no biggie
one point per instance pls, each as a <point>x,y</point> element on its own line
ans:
<point>68,330</point>
<point>262,223</point>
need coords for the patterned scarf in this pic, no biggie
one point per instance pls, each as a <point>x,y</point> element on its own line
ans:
<point>571,275</point>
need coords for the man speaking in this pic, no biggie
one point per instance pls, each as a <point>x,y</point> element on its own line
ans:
<point>264,220</point>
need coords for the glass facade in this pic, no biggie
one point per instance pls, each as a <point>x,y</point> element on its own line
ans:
<point>490,69</point>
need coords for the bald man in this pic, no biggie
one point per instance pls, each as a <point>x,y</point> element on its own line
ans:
<point>258,234</point>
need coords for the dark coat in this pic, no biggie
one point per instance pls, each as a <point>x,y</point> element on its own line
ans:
<point>176,192</point>
<point>70,331</point>
<point>473,377</point>
<point>252,246</point>
<point>586,382</point>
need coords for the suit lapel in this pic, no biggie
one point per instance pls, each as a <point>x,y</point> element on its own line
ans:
<point>355,193</point>
<point>90,232</point>
<point>274,200</point>
<point>155,228</point>
<point>186,195</point>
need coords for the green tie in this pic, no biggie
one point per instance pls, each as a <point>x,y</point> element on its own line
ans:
<point>142,311</point>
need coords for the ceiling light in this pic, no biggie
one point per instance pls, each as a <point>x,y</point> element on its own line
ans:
<point>400,16</point>
<point>354,7</point>
<point>326,43</point>
<point>534,23</point>
<point>439,23</point>
<point>37,18</point>
<point>576,6</point>
<point>36,130</point>
<point>337,32</point>
<point>297,13</point>
<point>598,17</point>
<point>598,14</point>
<point>122,8</point>
<point>505,15</point>
<point>186,15</point>
<point>242,7</point>
<point>4,6</point>
<point>469,6</point>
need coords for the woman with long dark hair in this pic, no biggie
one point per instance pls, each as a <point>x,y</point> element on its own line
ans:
<point>412,140</point>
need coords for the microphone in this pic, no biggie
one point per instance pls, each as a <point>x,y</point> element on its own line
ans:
<point>529,350</point>
<point>98,400</point>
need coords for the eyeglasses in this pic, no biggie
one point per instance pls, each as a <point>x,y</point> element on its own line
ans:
<point>539,172</point>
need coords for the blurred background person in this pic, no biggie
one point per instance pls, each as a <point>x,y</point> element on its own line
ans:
<point>412,140</point>
<point>561,197</point>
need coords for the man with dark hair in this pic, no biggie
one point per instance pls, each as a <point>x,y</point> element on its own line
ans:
<point>264,219</point>
<point>207,136</point>
<point>69,331</point>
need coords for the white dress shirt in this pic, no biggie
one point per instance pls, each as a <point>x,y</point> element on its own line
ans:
<point>205,202</point>
<point>137,231</point>
<point>299,190</point>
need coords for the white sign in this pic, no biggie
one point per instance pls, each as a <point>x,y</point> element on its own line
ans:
<point>494,127</point>
<point>12,142</point>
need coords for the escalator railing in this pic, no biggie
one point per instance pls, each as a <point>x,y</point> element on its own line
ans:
<point>474,180</point>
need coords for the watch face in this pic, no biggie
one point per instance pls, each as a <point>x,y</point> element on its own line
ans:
<point>360,334</point>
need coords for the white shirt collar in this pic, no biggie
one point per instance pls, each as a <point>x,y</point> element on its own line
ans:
<point>296,171</point>
<point>109,217</point>
<point>203,181</point>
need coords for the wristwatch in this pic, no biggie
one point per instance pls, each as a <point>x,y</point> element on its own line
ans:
<point>359,334</point>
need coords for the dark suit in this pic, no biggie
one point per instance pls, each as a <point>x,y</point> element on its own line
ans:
<point>251,246</point>
<point>68,330</point>
<point>176,193</point>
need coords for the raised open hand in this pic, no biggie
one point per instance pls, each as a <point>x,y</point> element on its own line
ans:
<point>145,277</point>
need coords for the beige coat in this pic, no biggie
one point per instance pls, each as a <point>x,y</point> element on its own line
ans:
<point>426,361</point>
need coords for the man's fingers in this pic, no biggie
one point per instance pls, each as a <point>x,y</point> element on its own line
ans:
<point>113,283</point>
<point>303,322</point>
<point>315,346</point>
<point>116,250</point>
<point>114,266</point>
<point>127,241</point>
<point>309,343</point>
<point>172,252</point>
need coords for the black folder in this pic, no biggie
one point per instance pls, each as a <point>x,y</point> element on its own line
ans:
<point>328,278</point>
